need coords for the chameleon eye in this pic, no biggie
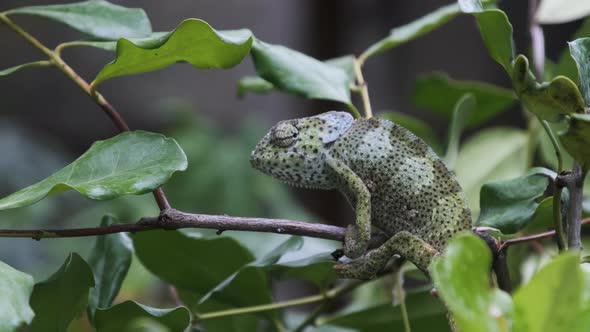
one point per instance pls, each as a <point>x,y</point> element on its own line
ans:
<point>284,134</point>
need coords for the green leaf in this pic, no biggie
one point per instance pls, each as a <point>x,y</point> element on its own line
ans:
<point>463,108</point>
<point>439,93</point>
<point>580,51</point>
<point>129,163</point>
<point>491,154</point>
<point>257,84</point>
<point>542,219</point>
<point>549,100</point>
<point>495,30</point>
<point>155,39</point>
<point>97,18</point>
<point>63,297</point>
<point>193,41</point>
<point>346,63</point>
<point>426,314</point>
<point>551,300</point>
<point>16,288</point>
<point>565,65</point>
<point>253,84</point>
<point>510,204</point>
<point>110,260</point>
<point>418,127</point>
<point>576,139</point>
<point>123,316</point>
<point>8,71</point>
<point>553,11</point>
<point>299,74</point>
<point>413,30</point>
<point>175,265</point>
<point>461,276</point>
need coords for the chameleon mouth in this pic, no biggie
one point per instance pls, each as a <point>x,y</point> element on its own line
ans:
<point>299,185</point>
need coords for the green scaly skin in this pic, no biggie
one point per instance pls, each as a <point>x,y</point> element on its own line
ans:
<point>392,179</point>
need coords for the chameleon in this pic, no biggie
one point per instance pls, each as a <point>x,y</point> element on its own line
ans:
<point>395,183</point>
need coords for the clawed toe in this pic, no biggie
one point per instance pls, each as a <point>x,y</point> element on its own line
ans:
<point>352,270</point>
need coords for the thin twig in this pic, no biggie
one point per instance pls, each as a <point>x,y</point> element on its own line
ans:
<point>109,110</point>
<point>533,237</point>
<point>364,89</point>
<point>331,294</point>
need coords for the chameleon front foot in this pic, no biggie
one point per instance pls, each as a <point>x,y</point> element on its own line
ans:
<point>355,243</point>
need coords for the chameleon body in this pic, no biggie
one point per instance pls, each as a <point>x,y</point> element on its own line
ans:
<point>393,180</point>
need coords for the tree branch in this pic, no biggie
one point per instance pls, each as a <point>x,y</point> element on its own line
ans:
<point>171,219</point>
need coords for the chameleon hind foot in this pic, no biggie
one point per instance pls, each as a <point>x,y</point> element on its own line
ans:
<point>370,264</point>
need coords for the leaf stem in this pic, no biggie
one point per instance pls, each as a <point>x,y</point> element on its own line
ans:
<point>557,191</point>
<point>331,294</point>
<point>405,317</point>
<point>364,89</point>
<point>58,62</point>
<point>556,147</point>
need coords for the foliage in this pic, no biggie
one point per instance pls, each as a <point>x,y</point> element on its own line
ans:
<point>221,282</point>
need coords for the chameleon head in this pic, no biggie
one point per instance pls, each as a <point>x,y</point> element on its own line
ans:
<point>294,151</point>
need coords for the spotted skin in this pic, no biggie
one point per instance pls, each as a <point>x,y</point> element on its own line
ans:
<point>391,178</point>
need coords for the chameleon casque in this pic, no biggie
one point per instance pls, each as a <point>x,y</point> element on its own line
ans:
<point>393,180</point>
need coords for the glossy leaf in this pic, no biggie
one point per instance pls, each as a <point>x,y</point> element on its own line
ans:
<point>413,30</point>
<point>554,11</point>
<point>551,300</point>
<point>580,52</point>
<point>439,93</point>
<point>495,29</point>
<point>426,314</point>
<point>492,154</point>
<point>248,285</point>
<point>576,139</point>
<point>257,84</point>
<point>542,219</point>
<point>549,100</point>
<point>123,316</point>
<point>15,288</point>
<point>193,41</point>
<point>461,276</point>
<point>510,204</point>
<point>176,266</point>
<point>155,39</point>
<point>110,260</point>
<point>565,65</point>
<point>463,108</point>
<point>229,257</point>
<point>11,70</point>
<point>299,74</point>
<point>63,297</point>
<point>129,163</point>
<point>253,84</point>
<point>418,127</point>
<point>97,18</point>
